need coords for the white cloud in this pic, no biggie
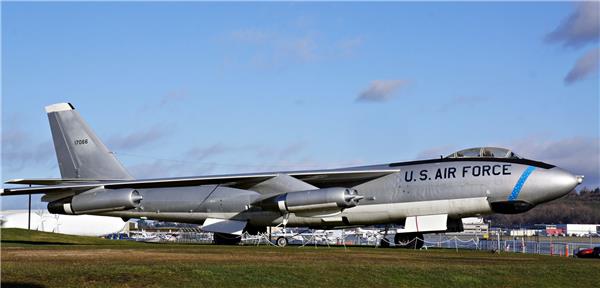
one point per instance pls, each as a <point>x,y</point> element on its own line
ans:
<point>291,150</point>
<point>19,150</point>
<point>579,155</point>
<point>137,138</point>
<point>303,48</point>
<point>269,48</point>
<point>348,47</point>
<point>161,168</point>
<point>174,96</point>
<point>381,90</point>
<point>201,153</point>
<point>585,66</point>
<point>580,28</point>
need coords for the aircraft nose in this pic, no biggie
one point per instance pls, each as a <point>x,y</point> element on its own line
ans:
<point>564,179</point>
<point>559,182</point>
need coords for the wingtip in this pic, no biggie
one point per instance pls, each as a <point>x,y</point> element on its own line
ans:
<point>14,181</point>
<point>59,107</point>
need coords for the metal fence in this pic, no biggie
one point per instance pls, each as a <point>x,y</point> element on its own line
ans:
<point>556,246</point>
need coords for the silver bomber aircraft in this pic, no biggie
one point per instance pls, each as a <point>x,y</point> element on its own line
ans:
<point>422,196</point>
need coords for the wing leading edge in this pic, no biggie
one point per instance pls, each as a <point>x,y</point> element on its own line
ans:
<point>324,178</point>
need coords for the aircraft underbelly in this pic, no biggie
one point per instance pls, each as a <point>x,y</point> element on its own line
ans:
<point>396,212</point>
<point>360,215</point>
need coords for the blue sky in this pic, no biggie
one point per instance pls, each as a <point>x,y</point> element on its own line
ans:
<point>180,89</point>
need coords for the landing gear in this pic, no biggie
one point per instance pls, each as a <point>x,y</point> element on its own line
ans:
<point>401,240</point>
<point>226,239</point>
<point>409,240</point>
<point>384,243</point>
<point>281,241</point>
<point>253,230</point>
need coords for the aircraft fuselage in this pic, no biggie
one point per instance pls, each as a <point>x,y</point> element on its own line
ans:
<point>457,187</point>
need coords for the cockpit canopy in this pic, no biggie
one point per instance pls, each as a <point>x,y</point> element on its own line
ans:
<point>489,152</point>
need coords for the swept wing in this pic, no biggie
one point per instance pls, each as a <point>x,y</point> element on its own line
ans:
<point>319,178</point>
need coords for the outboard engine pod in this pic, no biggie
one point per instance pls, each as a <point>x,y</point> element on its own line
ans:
<point>320,200</point>
<point>97,200</point>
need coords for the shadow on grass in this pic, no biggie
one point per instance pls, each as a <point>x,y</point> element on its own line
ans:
<point>21,285</point>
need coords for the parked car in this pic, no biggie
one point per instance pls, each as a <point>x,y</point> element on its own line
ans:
<point>589,253</point>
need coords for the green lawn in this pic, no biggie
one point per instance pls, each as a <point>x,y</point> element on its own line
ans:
<point>91,262</point>
<point>22,237</point>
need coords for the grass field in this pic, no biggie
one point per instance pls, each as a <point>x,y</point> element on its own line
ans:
<point>36,259</point>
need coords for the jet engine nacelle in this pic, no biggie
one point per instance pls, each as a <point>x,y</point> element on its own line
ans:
<point>97,200</point>
<point>327,200</point>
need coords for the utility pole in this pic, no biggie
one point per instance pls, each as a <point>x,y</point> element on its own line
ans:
<point>29,213</point>
<point>498,234</point>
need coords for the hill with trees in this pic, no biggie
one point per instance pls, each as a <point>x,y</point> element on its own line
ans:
<point>577,207</point>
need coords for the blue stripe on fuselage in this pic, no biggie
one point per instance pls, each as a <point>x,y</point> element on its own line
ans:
<point>515,192</point>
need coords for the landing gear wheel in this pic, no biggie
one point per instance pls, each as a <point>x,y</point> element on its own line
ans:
<point>226,239</point>
<point>384,243</point>
<point>409,240</point>
<point>281,241</point>
<point>418,240</point>
<point>401,240</point>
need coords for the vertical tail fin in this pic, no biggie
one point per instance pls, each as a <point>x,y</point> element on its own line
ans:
<point>79,151</point>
